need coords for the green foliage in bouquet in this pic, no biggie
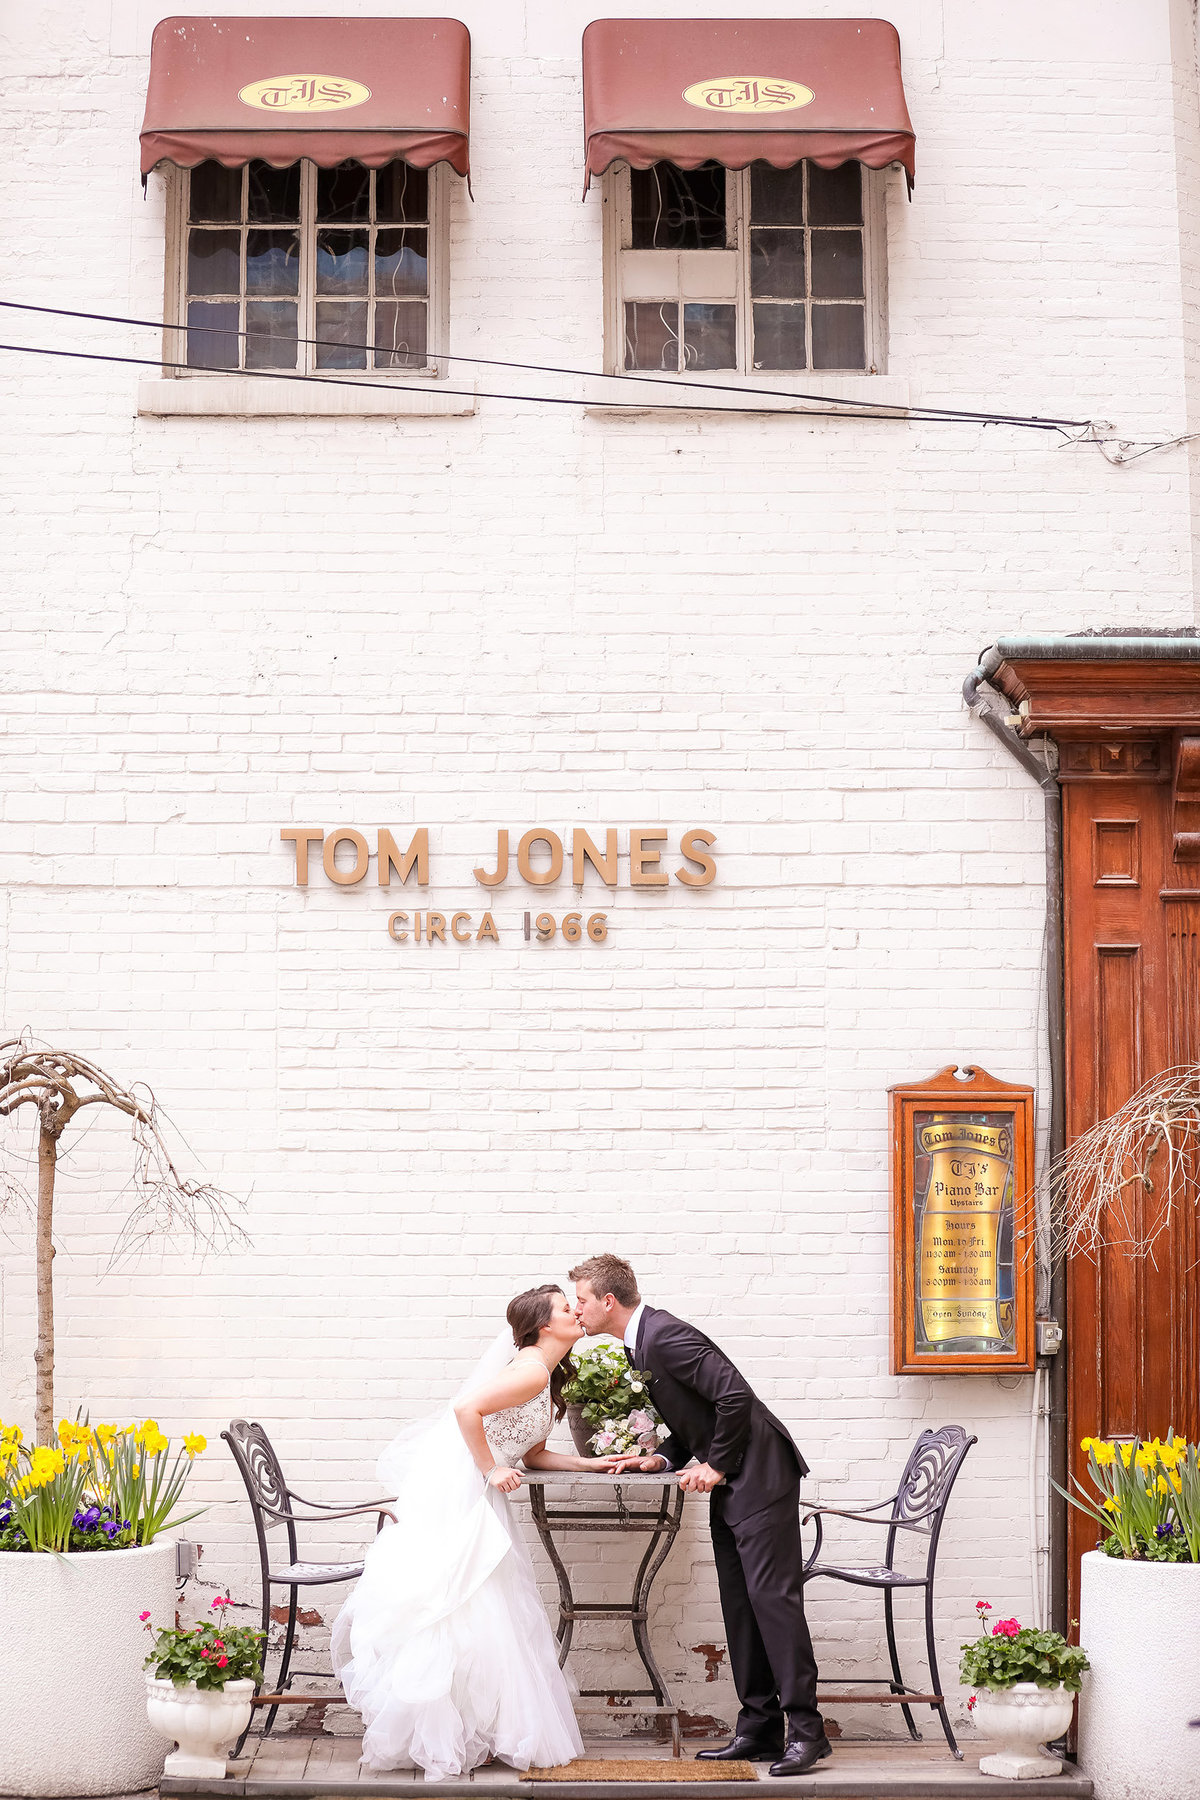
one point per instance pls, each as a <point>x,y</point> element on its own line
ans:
<point>615,1399</point>
<point>209,1654</point>
<point>1009,1653</point>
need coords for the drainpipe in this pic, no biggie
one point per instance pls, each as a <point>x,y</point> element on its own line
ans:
<point>979,696</point>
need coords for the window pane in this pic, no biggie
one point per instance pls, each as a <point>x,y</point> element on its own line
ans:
<point>401,194</point>
<point>273,195</point>
<point>342,329</point>
<point>837,265</point>
<point>400,335</point>
<point>776,195</point>
<point>777,264</point>
<point>344,194</point>
<point>709,336</point>
<point>215,347</point>
<point>270,334</point>
<point>213,259</point>
<point>342,262</point>
<point>779,337</point>
<point>272,262</point>
<point>839,337</point>
<point>652,334</point>
<point>401,265</point>
<point>216,194</point>
<point>835,195</point>
<point>678,209</point>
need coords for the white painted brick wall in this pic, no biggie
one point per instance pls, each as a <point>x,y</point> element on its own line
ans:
<point>215,628</point>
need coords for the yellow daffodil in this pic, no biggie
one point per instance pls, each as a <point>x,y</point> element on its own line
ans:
<point>11,1434</point>
<point>1127,1454</point>
<point>1105,1454</point>
<point>193,1443</point>
<point>1112,1506</point>
<point>105,1434</point>
<point>1145,1456</point>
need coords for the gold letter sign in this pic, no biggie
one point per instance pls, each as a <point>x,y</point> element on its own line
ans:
<point>963,1264</point>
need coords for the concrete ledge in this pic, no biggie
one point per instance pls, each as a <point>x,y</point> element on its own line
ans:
<point>258,397</point>
<point>641,396</point>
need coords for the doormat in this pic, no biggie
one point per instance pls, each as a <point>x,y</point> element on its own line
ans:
<point>667,1768</point>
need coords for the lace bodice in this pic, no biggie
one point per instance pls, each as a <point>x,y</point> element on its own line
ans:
<point>516,1429</point>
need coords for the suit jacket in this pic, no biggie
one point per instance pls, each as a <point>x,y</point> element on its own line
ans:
<point>714,1415</point>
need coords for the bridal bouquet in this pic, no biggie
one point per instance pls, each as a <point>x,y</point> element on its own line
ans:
<point>614,1399</point>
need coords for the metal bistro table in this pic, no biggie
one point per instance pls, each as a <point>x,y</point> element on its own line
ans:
<point>599,1503</point>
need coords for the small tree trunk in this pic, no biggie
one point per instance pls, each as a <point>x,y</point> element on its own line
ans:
<point>43,1357</point>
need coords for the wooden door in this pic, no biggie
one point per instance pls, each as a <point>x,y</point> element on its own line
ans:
<point>1128,736</point>
<point>1132,971</point>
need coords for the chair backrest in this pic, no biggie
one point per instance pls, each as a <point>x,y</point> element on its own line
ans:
<point>259,1468</point>
<point>925,1486</point>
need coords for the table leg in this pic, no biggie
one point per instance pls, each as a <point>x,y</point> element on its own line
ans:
<point>566,1599</point>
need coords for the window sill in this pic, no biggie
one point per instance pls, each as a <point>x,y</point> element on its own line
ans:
<point>776,395</point>
<point>231,397</point>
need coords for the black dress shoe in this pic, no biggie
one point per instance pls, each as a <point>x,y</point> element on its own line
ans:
<point>801,1755</point>
<point>742,1749</point>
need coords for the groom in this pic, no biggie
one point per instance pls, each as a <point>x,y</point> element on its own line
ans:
<point>746,1459</point>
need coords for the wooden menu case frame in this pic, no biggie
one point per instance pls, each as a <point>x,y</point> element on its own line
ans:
<point>966,1140</point>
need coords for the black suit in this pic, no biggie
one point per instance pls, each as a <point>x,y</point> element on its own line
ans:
<point>754,1515</point>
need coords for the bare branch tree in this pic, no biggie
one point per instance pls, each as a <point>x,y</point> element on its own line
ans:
<point>1120,1184</point>
<point>60,1085</point>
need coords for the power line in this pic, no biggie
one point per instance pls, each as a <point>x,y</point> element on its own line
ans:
<point>824,405</point>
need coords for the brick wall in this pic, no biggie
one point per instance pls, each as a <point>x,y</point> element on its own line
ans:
<point>537,615</point>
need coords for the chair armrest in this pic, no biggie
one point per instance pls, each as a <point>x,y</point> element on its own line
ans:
<point>348,1512</point>
<point>838,1512</point>
<point>332,1505</point>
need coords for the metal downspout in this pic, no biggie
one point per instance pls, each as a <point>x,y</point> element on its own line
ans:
<point>979,703</point>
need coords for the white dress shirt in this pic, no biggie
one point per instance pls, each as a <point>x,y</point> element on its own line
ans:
<point>631,1330</point>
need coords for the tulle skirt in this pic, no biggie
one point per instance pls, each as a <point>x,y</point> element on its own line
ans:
<point>444,1646</point>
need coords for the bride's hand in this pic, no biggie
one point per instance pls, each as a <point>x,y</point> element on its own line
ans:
<point>506,1479</point>
<point>598,1465</point>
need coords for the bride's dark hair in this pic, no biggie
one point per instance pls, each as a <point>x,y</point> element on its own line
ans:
<point>528,1315</point>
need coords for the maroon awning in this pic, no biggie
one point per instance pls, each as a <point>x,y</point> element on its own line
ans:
<point>371,90</point>
<point>737,91</point>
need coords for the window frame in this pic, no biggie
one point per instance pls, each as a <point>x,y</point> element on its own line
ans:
<point>617,233</point>
<point>435,367</point>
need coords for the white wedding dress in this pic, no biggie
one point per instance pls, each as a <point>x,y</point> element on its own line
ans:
<point>444,1646</point>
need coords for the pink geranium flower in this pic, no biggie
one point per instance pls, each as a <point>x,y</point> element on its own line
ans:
<point>1005,1628</point>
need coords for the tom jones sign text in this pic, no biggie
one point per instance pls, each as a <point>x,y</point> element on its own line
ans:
<point>538,859</point>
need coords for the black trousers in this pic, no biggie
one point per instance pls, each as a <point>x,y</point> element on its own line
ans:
<point>762,1598</point>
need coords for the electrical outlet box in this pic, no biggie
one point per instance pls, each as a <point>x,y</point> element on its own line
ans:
<point>186,1559</point>
<point>1049,1337</point>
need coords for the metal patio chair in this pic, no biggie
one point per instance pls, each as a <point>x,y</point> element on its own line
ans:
<point>270,1504</point>
<point>918,1505</point>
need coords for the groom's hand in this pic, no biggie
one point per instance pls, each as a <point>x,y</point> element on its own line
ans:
<point>644,1465</point>
<point>701,1480</point>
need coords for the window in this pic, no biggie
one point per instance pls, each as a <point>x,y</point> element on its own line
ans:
<point>266,258</point>
<point>754,271</point>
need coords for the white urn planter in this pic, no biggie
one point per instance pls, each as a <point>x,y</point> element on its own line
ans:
<point>71,1653</point>
<point>1140,1625</point>
<point>205,1723</point>
<point>1021,1719</point>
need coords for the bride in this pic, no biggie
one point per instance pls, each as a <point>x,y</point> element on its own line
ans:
<point>444,1646</point>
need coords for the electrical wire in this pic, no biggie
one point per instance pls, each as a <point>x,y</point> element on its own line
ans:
<point>823,405</point>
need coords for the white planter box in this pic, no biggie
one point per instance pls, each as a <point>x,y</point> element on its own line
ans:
<point>71,1651</point>
<point>1140,1626</point>
<point>205,1723</point>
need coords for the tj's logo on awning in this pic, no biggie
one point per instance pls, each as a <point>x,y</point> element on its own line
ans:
<point>748,94</point>
<point>304,94</point>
